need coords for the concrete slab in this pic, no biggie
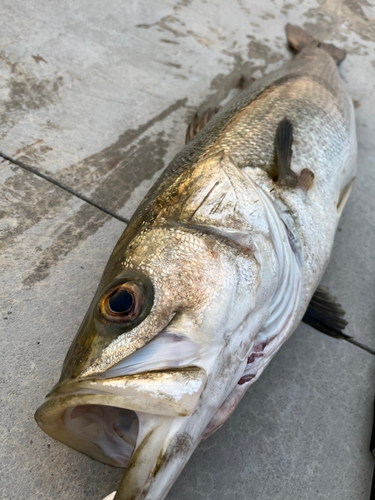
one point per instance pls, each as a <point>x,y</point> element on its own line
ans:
<point>98,96</point>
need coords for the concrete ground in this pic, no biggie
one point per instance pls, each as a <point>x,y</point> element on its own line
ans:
<point>97,95</point>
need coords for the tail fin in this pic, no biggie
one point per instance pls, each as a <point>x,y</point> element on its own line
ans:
<point>299,39</point>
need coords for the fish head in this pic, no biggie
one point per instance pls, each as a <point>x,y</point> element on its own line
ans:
<point>163,343</point>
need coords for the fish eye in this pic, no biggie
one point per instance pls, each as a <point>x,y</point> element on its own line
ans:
<point>123,303</point>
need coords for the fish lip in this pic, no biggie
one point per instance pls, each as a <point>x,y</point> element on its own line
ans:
<point>72,385</point>
<point>165,394</point>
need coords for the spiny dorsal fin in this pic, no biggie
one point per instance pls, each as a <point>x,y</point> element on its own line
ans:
<point>325,314</point>
<point>299,39</point>
<point>284,141</point>
<point>197,123</point>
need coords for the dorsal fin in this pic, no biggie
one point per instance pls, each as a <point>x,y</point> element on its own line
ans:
<point>326,314</point>
<point>197,123</point>
<point>299,39</point>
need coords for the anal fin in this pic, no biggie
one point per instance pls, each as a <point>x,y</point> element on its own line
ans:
<point>326,315</point>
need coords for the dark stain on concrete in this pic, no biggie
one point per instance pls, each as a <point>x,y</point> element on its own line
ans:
<point>164,40</point>
<point>258,50</point>
<point>31,152</point>
<point>26,92</point>
<point>80,226</point>
<point>356,6</point>
<point>33,199</point>
<point>182,3</point>
<point>119,156</point>
<point>27,200</point>
<point>163,25</point>
<point>241,74</point>
<point>31,93</point>
<point>327,20</point>
<point>356,103</point>
<point>173,65</point>
<point>142,161</point>
<point>39,59</point>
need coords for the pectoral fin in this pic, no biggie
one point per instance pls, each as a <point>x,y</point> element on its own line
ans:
<point>284,141</point>
<point>285,174</point>
<point>325,314</point>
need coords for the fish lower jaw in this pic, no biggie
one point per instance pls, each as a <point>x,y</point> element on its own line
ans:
<point>106,419</point>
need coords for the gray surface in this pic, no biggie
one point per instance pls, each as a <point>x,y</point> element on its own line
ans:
<point>104,114</point>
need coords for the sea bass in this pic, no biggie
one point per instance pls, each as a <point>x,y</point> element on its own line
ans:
<point>215,270</point>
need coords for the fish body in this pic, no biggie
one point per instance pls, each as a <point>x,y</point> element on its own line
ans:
<point>213,273</point>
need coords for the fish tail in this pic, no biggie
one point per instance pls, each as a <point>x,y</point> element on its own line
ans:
<point>299,39</point>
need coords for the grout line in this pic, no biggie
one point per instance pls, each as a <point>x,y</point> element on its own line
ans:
<point>364,347</point>
<point>66,188</point>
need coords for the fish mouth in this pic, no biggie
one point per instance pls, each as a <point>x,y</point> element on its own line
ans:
<point>106,418</point>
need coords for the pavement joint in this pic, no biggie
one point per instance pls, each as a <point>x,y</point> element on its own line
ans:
<point>63,186</point>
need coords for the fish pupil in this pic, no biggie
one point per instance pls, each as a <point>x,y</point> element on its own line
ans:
<point>121,301</point>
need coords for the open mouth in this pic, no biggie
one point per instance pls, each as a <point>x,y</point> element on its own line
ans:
<point>113,430</point>
<point>105,418</point>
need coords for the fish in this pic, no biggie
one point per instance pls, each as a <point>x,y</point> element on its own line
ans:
<point>217,267</point>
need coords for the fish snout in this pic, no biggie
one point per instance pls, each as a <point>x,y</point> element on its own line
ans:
<point>100,417</point>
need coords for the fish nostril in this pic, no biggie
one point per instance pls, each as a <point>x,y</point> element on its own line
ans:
<point>121,302</point>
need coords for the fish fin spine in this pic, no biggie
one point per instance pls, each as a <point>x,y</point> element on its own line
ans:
<point>197,123</point>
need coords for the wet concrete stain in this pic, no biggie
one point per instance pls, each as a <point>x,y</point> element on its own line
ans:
<point>163,26</point>
<point>241,74</point>
<point>26,92</point>
<point>32,152</point>
<point>31,93</point>
<point>356,6</point>
<point>80,227</point>
<point>25,201</point>
<point>123,164</point>
<point>164,40</point>
<point>172,65</point>
<point>116,157</point>
<point>147,156</point>
<point>258,50</point>
<point>328,18</point>
<point>39,59</point>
